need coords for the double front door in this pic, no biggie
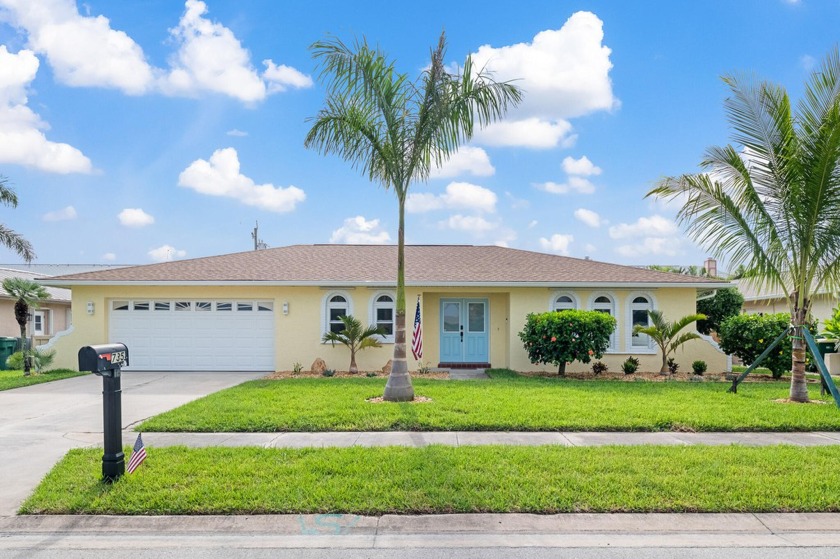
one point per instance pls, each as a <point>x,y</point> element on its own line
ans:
<point>464,331</point>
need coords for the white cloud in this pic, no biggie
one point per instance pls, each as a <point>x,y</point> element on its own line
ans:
<point>557,243</point>
<point>530,133</point>
<point>467,160</point>
<point>109,257</point>
<point>64,214</point>
<point>517,203</point>
<point>574,184</point>
<point>22,140</point>
<point>582,166</point>
<point>588,217</point>
<point>651,246</point>
<point>533,224</point>
<point>653,226</point>
<point>564,72</point>
<point>282,77</point>
<point>135,218</point>
<point>470,223</point>
<point>84,51</point>
<point>220,176</point>
<point>236,133</point>
<point>360,231</point>
<point>166,253</point>
<point>458,195</point>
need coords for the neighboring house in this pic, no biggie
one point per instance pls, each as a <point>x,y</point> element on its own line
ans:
<point>755,301</point>
<point>267,310</point>
<point>52,316</point>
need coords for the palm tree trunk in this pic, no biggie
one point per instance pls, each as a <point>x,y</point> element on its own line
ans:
<point>26,366</point>
<point>798,386</point>
<point>399,387</point>
<point>353,368</point>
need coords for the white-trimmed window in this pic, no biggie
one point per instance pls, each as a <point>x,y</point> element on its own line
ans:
<point>639,305</point>
<point>563,302</point>
<point>336,305</point>
<point>605,303</point>
<point>382,314</point>
<point>39,323</point>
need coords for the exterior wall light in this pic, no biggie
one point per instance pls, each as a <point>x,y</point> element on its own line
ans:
<point>90,308</point>
<point>285,307</point>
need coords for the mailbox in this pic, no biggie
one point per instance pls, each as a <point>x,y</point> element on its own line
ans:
<point>103,360</point>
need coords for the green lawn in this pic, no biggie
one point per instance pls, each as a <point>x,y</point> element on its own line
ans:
<point>440,479</point>
<point>15,379</point>
<point>508,402</point>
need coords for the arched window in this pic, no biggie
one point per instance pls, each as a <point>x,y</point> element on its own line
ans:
<point>639,307</point>
<point>337,306</point>
<point>564,303</point>
<point>605,304</point>
<point>382,314</point>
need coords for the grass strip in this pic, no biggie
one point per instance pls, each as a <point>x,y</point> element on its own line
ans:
<point>15,379</point>
<point>441,479</point>
<point>508,402</point>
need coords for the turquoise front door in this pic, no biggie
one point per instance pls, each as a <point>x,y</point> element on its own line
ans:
<point>464,331</point>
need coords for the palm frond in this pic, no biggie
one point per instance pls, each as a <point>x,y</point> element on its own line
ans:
<point>15,242</point>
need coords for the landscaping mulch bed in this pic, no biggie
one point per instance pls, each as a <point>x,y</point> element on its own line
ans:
<point>345,374</point>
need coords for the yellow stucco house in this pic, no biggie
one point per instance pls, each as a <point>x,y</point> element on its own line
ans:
<point>267,310</point>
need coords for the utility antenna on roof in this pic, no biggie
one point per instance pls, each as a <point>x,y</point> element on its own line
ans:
<point>258,243</point>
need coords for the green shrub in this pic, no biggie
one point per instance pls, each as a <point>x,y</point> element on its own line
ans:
<point>328,373</point>
<point>673,366</point>
<point>747,335</point>
<point>630,365</point>
<point>699,367</point>
<point>40,360</point>
<point>599,367</point>
<point>725,303</point>
<point>560,337</point>
<point>297,368</point>
<point>370,374</point>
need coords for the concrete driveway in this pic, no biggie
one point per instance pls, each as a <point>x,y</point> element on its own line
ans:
<point>39,424</point>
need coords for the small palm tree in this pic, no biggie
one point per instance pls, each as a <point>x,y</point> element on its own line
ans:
<point>667,334</point>
<point>27,294</point>
<point>354,337</point>
<point>8,237</point>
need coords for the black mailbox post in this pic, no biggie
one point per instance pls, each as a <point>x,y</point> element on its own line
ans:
<point>106,361</point>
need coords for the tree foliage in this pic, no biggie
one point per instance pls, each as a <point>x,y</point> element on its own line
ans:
<point>666,334</point>
<point>560,337</point>
<point>394,129</point>
<point>746,336</point>
<point>26,294</point>
<point>771,200</point>
<point>724,303</point>
<point>355,338</point>
<point>9,238</point>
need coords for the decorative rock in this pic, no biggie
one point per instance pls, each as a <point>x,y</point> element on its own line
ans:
<point>387,368</point>
<point>318,366</point>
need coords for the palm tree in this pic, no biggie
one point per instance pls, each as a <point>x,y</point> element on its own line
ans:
<point>9,238</point>
<point>667,334</point>
<point>771,202</point>
<point>394,129</point>
<point>355,337</point>
<point>27,294</point>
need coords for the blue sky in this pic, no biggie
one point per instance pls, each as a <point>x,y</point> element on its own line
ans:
<point>140,131</point>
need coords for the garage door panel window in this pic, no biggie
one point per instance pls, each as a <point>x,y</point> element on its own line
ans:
<point>203,305</point>
<point>244,307</point>
<point>224,306</point>
<point>183,305</point>
<point>162,305</point>
<point>140,306</point>
<point>120,305</point>
<point>265,306</point>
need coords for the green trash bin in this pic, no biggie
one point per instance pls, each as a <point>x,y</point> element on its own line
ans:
<point>7,348</point>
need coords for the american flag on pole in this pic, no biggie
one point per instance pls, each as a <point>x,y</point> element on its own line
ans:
<point>137,455</point>
<point>417,336</point>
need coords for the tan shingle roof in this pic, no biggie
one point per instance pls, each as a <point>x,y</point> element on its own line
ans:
<point>377,264</point>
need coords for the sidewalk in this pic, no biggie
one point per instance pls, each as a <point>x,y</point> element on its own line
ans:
<point>462,438</point>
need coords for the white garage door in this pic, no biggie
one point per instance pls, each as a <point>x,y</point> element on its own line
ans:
<point>195,335</point>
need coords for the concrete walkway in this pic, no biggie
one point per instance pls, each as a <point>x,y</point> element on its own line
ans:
<point>460,438</point>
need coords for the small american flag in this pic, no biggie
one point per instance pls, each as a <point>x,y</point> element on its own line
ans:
<point>137,455</point>
<point>417,337</point>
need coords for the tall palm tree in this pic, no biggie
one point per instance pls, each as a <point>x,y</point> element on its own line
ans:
<point>394,129</point>
<point>27,294</point>
<point>355,337</point>
<point>771,202</point>
<point>667,334</point>
<point>9,238</point>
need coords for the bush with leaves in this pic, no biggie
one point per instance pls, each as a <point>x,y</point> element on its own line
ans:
<point>40,360</point>
<point>599,367</point>
<point>560,337</point>
<point>747,335</point>
<point>699,367</point>
<point>630,365</point>
<point>673,366</point>
<point>725,303</point>
<point>355,337</point>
